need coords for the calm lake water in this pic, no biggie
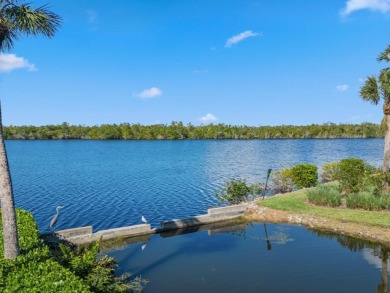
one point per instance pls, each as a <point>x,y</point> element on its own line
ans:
<point>110,184</point>
<point>255,258</point>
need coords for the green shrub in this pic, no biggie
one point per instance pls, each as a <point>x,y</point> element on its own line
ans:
<point>282,181</point>
<point>375,182</point>
<point>329,172</point>
<point>98,274</point>
<point>368,201</point>
<point>324,196</point>
<point>27,231</point>
<point>36,270</point>
<point>47,276</point>
<point>234,191</point>
<point>351,175</point>
<point>257,189</point>
<point>304,175</point>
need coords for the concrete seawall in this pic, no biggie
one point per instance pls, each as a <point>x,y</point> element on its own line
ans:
<point>84,235</point>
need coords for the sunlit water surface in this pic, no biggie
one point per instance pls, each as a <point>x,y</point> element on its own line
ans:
<point>110,184</point>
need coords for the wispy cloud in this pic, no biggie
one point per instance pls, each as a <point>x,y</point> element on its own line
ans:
<point>153,92</point>
<point>374,5</point>
<point>239,38</point>
<point>342,87</point>
<point>361,79</point>
<point>208,118</point>
<point>9,62</point>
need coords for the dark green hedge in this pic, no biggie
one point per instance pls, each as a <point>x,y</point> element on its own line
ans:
<point>34,270</point>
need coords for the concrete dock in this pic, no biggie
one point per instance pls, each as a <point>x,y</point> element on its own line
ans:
<point>84,235</point>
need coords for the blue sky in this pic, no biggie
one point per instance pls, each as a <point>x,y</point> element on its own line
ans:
<point>234,61</point>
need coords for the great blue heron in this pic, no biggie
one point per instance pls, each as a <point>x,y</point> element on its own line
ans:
<point>143,219</point>
<point>55,218</point>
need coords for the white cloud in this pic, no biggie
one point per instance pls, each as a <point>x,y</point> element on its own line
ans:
<point>342,87</point>
<point>361,79</point>
<point>153,92</point>
<point>209,118</point>
<point>375,5</point>
<point>9,62</point>
<point>240,37</point>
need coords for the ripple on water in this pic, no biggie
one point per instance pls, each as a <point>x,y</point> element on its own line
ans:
<point>108,184</point>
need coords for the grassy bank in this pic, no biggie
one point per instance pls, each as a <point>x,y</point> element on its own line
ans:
<point>297,202</point>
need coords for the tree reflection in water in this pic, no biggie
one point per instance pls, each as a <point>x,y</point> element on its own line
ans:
<point>376,250</point>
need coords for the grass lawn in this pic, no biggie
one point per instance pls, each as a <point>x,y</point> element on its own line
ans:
<point>296,202</point>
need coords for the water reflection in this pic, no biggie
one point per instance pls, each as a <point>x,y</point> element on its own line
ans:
<point>373,253</point>
<point>253,258</point>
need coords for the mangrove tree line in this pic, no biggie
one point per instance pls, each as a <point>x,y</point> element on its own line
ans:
<point>177,130</point>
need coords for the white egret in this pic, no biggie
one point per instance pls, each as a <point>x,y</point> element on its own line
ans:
<point>143,219</point>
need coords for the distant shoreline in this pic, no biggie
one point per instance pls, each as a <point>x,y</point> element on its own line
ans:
<point>179,131</point>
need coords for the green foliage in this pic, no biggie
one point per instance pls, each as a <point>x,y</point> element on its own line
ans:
<point>282,181</point>
<point>376,182</point>
<point>329,172</point>
<point>377,88</point>
<point>256,189</point>
<point>35,269</point>
<point>368,201</point>
<point>177,130</point>
<point>304,175</point>
<point>351,173</point>
<point>98,274</point>
<point>27,231</point>
<point>46,276</point>
<point>324,196</point>
<point>19,19</point>
<point>234,192</point>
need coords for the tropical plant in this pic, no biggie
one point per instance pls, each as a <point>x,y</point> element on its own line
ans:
<point>368,201</point>
<point>257,189</point>
<point>234,192</point>
<point>326,195</point>
<point>98,273</point>
<point>282,181</point>
<point>304,175</point>
<point>329,172</point>
<point>351,173</point>
<point>16,20</point>
<point>377,88</point>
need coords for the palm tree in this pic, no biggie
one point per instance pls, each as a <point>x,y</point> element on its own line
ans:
<point>17,20</point>
<point>375,89</point>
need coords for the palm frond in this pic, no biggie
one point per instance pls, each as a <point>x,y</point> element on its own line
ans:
<point>29,21</point>
<point>7,36</point>
<point>370,90</point>
<point>385,55</point>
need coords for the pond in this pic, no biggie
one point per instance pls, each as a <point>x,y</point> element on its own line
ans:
<point>110,184</point>
<point>257,257</point>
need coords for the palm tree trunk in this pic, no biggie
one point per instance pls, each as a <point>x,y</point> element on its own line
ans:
<point>10,232</point>
<point>386,157</point>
